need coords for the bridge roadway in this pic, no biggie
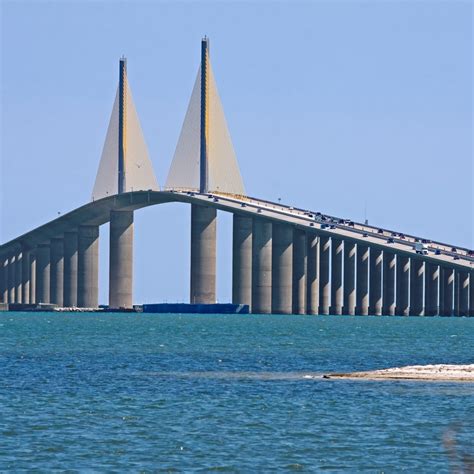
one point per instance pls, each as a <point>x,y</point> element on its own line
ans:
<point>312,224</point>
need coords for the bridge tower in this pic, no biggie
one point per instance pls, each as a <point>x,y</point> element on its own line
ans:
<point>124,167</point>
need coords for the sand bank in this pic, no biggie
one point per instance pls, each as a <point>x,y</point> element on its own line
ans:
<point>441,372</point>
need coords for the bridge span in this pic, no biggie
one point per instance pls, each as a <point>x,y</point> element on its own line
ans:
<point>285,260</point>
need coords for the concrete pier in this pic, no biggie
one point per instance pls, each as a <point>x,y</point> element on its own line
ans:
<point>375,288</point>
<point>471,293</point>
<point>417,289</point>
<point>70,269</point>
<point>447,308</point>
<point>32,277</point>
<point>312,278</point>
<point>3,280</point>
<point>300,267</point>
<point>282,269</point>
<point>11,279</point>
<point>203,254</point>
<point>57,272</point>
<point>42,273</point>
<point>18,278</point>
<point>324,283</point>
<point>432,289</point>
<point>389,277</point>
<point>403,285</point>
<point>463,309</point>
<point>362,293</point>
<point>88,267</point>
<point>261,266</point>
<point>349,277</point>
<point>242,260</point>
<point>337,295</point>
<point>121,259</point>
<point>25,277</point>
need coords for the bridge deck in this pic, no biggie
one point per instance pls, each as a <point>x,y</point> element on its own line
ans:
<point>98,213</point>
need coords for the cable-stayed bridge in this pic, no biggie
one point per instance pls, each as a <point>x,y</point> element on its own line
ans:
<point>285,259</point>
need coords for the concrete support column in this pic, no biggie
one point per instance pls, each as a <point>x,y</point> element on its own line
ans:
<point>463,293</point>
<point>389,271</point>
<point>42,273</point>
<point>417,290</point>
<point>471,294</point>
<point>203,254</point>
<point>312,279</point>
<point>349,277</point>
<point>33,277</point>
<point>4,280</point>
<point>70,270</point>
<point>282,269</point>
<point>447,308</point>
<point>375,289</point>
<point>18,278</point>
<point>432,289</point>
<point>121,259</point>
<point>11,279</point>
<point>242,260</point>
<point>57,272</point>
<point>362,294</point>
<point>261,266</point>
<point>300,268</point>
<point>25,277</point>
<point>403,285</point>
<point>88,266</point>
<point>324,283</point>
<point>337,295</point>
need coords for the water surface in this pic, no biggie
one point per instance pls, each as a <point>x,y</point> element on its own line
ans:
<point>236,393</point>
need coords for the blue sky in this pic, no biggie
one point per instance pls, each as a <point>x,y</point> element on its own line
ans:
<point>351,108</point>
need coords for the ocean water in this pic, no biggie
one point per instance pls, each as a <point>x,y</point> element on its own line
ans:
<point>231,393</point>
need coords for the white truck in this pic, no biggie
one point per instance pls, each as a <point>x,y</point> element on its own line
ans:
<point>421,248</point>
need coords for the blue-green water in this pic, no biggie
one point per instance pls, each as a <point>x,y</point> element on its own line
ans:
<point>146,393</point>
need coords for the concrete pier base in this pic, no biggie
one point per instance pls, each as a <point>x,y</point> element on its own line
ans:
<point>375,282</point>
<point>362,293</point>
<point>57,272</point>
<point>403,285</point>
<point>432,289</point>
<point>337,295</point>
<point>121,260</point>
<point>349,278</point>
<point>389,270</point>
<point>282,269</point>
<point>324,282</point>
<point>312,278</point>
<point>300,269</point>
<point>42,273</point>
<point>70,269</point>
<point>261,266</point>
<point>242,260</point>
<point>88,267</point>
<point>203,254</point>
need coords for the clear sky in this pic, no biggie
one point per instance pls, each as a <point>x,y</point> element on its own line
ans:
<point>351,108</point>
